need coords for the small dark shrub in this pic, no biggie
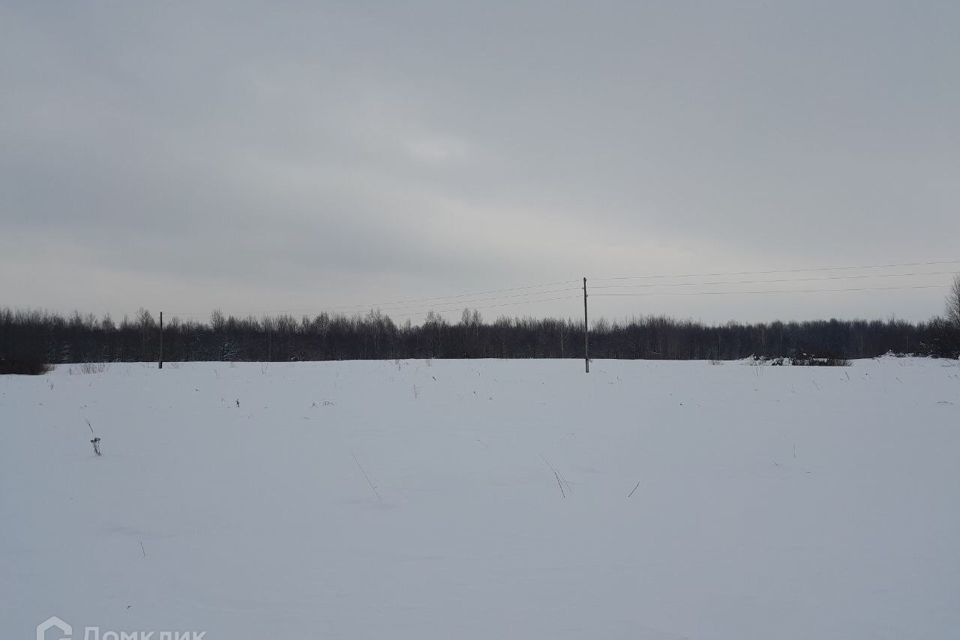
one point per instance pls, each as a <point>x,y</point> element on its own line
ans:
<point>805,360</point>
<point>23,366</point>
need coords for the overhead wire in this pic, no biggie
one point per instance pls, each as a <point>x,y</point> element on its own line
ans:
<point>775,271</point>
<point>444,302</point>
<point>462,295</point>
<point>461,298</point>
<point>533,293</point>
<point>779,280</point>
<point>490,306</point>
<point>769,291</point>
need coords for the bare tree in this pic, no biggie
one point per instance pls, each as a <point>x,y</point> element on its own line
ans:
<point>144,320</point>
<point>953,302</point>
<point>146,323</point>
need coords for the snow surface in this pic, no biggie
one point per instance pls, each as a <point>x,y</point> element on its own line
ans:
<point>767,502</point>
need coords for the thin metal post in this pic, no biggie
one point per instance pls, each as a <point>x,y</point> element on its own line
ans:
<point>161,340</point>
<point>586,330</point>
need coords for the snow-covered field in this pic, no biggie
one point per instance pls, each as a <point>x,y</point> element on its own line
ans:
<point>484,499</point>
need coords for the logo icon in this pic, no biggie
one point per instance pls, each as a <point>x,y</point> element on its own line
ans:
<point>54,622</point>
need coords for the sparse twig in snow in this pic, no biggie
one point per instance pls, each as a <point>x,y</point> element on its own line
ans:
<point>632,491</point>
<point>560,484</point>
<point>96,439</point>
<point>561,481</point>
<point>367,478</point>
<point>142,550</point>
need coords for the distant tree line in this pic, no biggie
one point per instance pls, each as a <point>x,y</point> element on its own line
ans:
<point>51,338</point>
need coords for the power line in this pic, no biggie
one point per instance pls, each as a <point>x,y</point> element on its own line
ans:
<point>490,306</point>
<point>462,298</point>
<point>402,307</point>
<point>774,271</point>
<point>769,291</point>
<point>473,300</point>
<point>531,294</point>
<point>780,280</point>
<point>462,295</point>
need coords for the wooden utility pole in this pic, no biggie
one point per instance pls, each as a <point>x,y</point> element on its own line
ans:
<point>586,330</point>
<point>161,340</point>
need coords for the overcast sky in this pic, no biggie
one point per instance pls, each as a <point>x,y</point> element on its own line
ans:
<point>305,156</point>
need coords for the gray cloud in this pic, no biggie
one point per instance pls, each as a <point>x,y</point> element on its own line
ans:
<point>256,156</point>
